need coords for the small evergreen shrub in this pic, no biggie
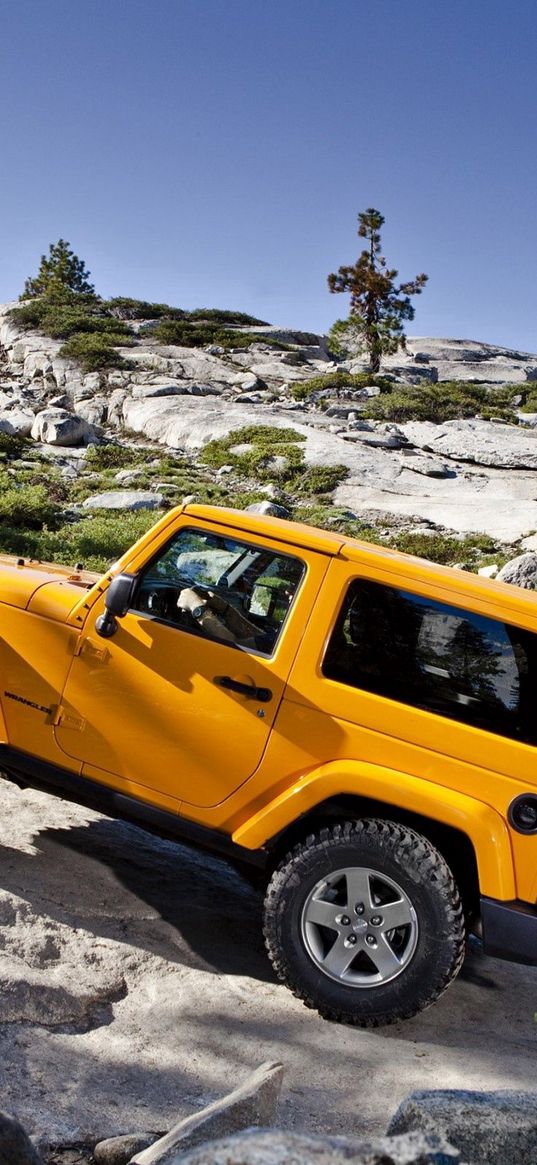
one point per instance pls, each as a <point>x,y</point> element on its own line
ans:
<point>93,351</point>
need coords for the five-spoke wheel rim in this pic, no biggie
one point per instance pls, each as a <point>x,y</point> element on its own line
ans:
<point>359,927</point>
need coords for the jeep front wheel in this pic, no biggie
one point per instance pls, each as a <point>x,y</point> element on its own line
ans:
<point>363,921</point>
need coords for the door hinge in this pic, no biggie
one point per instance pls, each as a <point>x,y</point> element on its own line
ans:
<point>93,651</point>
<point>65,719</point>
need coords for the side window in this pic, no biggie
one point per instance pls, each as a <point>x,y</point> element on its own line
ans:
<point>436,657</point>
<point>234,592</point>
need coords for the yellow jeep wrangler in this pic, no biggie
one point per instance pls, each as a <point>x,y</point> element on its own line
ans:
<point>358,723</point>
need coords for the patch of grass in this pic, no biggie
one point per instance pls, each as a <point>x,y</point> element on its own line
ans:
<point>270,452</point>
<point>266,453</point>
<point>115,456</point>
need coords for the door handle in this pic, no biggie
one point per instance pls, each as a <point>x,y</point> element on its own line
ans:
<point>262,695</point>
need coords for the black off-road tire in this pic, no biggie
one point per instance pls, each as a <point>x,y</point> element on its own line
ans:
<point>403,857</point>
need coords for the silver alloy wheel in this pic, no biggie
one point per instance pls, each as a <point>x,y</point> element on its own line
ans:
<point>359,927</point>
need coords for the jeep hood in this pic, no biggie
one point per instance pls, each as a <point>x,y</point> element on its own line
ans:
<point>41,586</point>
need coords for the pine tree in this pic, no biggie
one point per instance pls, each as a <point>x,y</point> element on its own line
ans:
<point>60,273</point>
<point>378,304</point>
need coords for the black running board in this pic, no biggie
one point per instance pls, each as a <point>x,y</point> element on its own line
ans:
<point>29,771</point>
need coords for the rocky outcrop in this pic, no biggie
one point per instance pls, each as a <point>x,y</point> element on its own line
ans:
<point>16,1147</point>
<point>498,1128</point>
<point>463,360</point>
<point>470,476</point>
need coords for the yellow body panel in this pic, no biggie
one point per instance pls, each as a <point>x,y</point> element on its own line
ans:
<point>140,713</point>
<point>484,827</point>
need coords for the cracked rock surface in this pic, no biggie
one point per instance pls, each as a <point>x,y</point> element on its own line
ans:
<point>135,990</point>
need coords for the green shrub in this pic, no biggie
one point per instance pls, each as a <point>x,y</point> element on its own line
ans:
<point>12,445</point>
<point>94,541</point>
<point>114,456</point>
<point>33,313</point>
<point>124,308</point>
<point>193,335</point>
<point>444,548</point>
<point>94,352</point>
<point>219,316</point>
<point>528,392</point>
<point>446,401</point>
<point>338,380</point>
<point>62,322</point>
<point>29,506</point>
<point>320,479</point>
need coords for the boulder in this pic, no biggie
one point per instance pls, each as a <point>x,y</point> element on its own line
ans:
<point>15,1145</point>
<point>266,1147</point>
<point>17,421</point>
<point>252,1103</point>
<point>128,476</point>
<point>520,572</point>
<point>121,1150</point>
<point>271,508</point>
<point>124,499</point>
<point>59,427</point>
<point>488,1128</point>
<point>94,410</point>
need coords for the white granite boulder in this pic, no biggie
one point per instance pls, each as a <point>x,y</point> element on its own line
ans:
<point>125,499</point>
<point>57,426</point>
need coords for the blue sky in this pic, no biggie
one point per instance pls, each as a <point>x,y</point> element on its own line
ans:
<point>217,152</point>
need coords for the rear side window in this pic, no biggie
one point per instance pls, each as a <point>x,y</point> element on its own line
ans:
<point>436,657</point>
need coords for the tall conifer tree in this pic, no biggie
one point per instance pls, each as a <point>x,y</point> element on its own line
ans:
<point>379,305</point>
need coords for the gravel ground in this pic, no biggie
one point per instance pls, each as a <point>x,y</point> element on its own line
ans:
<point>135,989</point>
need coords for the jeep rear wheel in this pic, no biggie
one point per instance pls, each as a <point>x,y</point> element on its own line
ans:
<point>363,921</point>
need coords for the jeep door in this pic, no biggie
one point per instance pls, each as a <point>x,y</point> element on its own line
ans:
<point>176,707</point>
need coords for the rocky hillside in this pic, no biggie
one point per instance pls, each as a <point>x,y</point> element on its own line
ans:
<point>437,456</point>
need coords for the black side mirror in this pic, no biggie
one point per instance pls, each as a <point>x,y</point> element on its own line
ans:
<point>117,601</point>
